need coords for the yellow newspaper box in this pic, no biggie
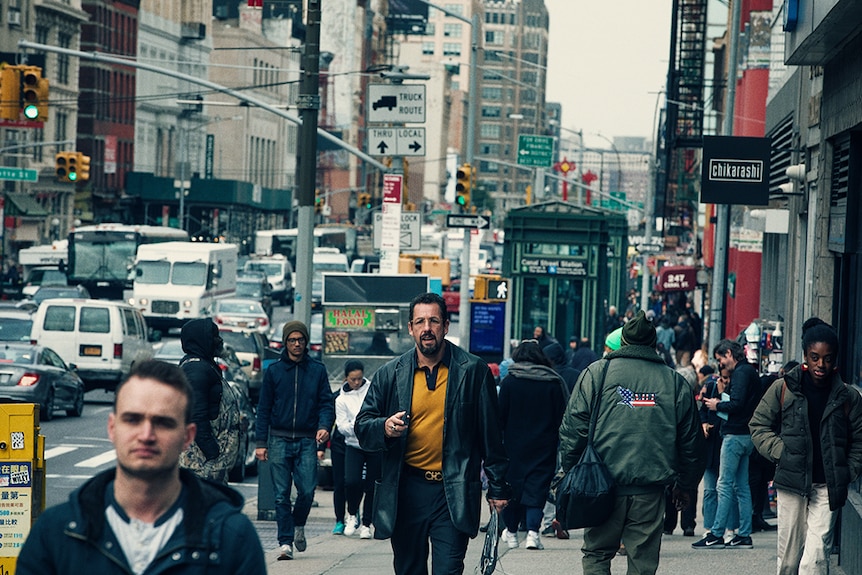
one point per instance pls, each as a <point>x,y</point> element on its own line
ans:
<point>22,478</point>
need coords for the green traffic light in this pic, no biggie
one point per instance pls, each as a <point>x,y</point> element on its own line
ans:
<point>31,112</point>
<point>73,176</point>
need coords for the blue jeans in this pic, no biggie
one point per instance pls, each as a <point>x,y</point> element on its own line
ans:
<point>292,461</point>
<point>733,490</point>
<point>710,502</point>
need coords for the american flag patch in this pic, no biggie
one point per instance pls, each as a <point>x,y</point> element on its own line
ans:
<point>632,399</point>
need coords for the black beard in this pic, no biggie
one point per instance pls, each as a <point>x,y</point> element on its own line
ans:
<point>429,350</point>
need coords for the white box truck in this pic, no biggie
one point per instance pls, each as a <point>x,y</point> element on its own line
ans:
<point>179,281</point>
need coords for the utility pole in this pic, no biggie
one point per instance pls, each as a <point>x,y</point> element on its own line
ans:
<point>308,104</point>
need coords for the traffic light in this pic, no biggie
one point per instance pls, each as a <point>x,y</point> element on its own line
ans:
<point>66,166</point>
<point>318,202</point>
<point>462,186</point>
<point>34,93</point>
<point>364,200</point>
<point>83,167</point>
<point>10,93</point>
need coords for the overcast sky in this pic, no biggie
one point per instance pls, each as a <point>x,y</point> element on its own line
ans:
<point>607,60</point>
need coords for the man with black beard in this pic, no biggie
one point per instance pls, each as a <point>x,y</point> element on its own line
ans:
<point>431,463</point>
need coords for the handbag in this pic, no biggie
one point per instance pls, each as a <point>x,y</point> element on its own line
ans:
<point>585,494</point>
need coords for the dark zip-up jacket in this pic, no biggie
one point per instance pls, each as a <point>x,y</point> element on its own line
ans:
<point>198,340</point>
<point>295,400</point>
<point>214,538</point>
<point>744,396</point>
<point>780,433</point>
<point>472,439</point>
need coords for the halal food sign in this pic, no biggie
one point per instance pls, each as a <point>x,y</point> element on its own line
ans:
<point>735,170</point>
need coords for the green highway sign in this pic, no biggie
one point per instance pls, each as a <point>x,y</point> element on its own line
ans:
<point>19,174</point>
<point>537,151</point>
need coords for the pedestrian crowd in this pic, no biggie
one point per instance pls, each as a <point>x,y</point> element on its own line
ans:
<point>414,447</point>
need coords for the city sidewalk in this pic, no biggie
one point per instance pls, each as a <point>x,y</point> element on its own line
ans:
<point>336,554</point>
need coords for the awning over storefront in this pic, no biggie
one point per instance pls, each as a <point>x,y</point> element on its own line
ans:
<point>24,206</point>
<point>677,278</point>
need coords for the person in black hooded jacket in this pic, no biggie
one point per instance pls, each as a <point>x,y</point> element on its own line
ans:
<point>215,411</point>
<point>554,352</point>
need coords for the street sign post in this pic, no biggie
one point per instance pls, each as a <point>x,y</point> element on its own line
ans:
<point>396,103</point>
<point>19,174</point>
<point>467,221</point>
<point>411,227</point>
<point>396,141</point>
<point>537,151</point>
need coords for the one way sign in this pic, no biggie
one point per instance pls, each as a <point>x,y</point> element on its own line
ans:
<point>396,141</point>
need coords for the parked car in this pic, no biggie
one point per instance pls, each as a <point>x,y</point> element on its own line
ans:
<point>15,324</point>
<point>241,313</point>
<point>54,292</point>
<point>36,374</point>
<point>279,274</point>
<point>252,350</point>
<point>256,288</point>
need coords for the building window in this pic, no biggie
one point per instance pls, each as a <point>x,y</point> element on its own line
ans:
<point>454,9</point>
<point>490,111</point>
<point>492,93</point>
<point>451,49</point>
<point>488,167</point>
<point>60,120</point>
<point>430,29</point>
<point>456,86</point>
<point>490,131</point>
<point>452,30</point>
<point>427,48</point>
<point>489,149</point>
<point>64,41</point>
<point>494,37</point>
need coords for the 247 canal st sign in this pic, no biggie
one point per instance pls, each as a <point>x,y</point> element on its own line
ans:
<point>735,170</point>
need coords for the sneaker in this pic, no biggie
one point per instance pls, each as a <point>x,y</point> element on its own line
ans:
<point>510,538</point>
<point>549,530</point>
<point>741,542</point>
<point>709,542</point>
<point>299,538</point>
<point>339,528</point>
<point>365,532</point>
<point>286,552</point>
<point>351,524</point>
<point>533,541</point>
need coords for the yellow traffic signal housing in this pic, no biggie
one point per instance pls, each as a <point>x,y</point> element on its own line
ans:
<point>66,166</point>
<point>463,184</point>
<point>10,93</point>
<point>34,93</point>
<point>365,200</point>
<point>83,167</point>
<point>318,202</point>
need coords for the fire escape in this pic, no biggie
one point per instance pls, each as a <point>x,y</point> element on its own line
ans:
<point>679,152</point>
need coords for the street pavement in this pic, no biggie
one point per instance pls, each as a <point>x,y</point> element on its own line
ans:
<point>339,555</point>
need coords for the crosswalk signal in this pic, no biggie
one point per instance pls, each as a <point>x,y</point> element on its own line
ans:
<point>463,184</point>
<point>10,93</point>
<point>34,93</point>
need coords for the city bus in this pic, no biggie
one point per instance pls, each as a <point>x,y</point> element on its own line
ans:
<point>271,242</point>
<point>102,256</point>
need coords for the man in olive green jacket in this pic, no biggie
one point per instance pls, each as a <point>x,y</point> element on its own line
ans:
<point>648,434</point>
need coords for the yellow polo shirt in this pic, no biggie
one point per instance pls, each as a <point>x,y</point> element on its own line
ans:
<point>425,429</point>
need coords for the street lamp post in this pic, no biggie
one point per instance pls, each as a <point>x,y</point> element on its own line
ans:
<point>472,106</point>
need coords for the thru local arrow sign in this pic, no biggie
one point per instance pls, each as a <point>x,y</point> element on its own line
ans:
<point>382,147</point>
<point>462,221</point>
<point>415,146</point>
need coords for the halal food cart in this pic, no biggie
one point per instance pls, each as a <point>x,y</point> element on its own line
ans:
<point>365,317</point>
